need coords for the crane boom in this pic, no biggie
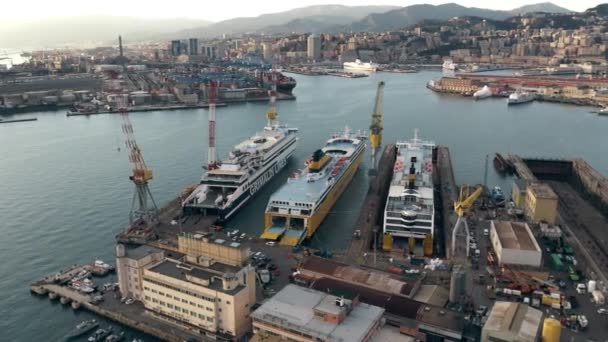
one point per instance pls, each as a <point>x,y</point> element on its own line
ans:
<point>376,126</point>
<point>461,206</point>
<point>272,114</point>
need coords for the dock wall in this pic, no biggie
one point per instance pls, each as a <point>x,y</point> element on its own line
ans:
<point>370,215</point>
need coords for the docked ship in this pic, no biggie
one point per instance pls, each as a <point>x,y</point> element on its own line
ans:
<point>482,93</point>
<point>227,185</point>
<point>284,84</point>
<point>449,65</point>
<point>410,207</point>
<point>357,65</point>
<point>297,209</point>
<point>520,97</point>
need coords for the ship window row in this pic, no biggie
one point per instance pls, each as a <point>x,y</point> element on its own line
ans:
<point>190,293</point>
<point>410,230</point>
<point>410,223</point>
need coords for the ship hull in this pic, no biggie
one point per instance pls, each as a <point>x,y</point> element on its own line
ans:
<point>251,189</point>
<point>318,216</point>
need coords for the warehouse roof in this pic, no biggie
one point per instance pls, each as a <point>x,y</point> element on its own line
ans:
<point>518,321</point>
<point>293,308</point>
<point>515,235</point>
<point>378,280</point>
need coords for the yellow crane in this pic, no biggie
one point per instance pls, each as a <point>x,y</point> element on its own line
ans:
<point>461,207</point>
<point>376,127</point>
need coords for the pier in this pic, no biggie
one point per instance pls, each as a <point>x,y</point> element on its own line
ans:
<point>446,183</point>
<point>17,120</point>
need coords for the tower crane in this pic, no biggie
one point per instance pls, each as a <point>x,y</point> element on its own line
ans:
<point>211,154</point>
<point>143,207</point>
<point>375,133</point>
<point>272,114</point>
<point>461,207</point>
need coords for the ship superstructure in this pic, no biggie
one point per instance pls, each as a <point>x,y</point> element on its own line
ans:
<point>410,206</point>
<point>296,210</point>
<point>227,185</point>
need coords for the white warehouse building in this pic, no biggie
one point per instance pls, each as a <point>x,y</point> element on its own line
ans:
<point>515,244</point>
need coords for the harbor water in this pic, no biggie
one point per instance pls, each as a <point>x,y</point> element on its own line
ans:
<point>65,191</point>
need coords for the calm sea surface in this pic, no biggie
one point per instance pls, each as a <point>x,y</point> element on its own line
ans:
<point>65,193</point>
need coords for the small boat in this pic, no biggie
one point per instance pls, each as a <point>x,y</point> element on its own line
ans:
<point>82,328</point>
<point>603,111</point>
<point>497,195</point>
<point>75,305</point>
<point>116,337</point>
<point>99,335</point>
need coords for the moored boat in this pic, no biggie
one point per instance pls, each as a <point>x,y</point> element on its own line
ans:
<point>520,97</point>
<point>482,93</point>
<point>82,328</point>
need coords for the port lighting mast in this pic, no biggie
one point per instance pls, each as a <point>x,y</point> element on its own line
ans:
<point>376,127</point>
<point>143,206</point>
<point>461,207</point>
<point>211,154</point>
<point>272,114</point>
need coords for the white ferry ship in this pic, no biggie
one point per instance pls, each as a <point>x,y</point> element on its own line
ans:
<point>449,65</point>
<point>226,186</point>
<point>410,206</point>
<point>482,93</point>
<point>520,97</point>
<point>297,209</point>
<point>357,65</point>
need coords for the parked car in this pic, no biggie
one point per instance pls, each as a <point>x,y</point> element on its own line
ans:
<point>271,243</point>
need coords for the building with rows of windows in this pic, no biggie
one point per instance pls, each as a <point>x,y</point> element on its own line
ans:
<point>210,289</point>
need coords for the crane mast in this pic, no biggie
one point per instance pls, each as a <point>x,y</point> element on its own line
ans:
<point>211,154</point>
<point>376,127</point>
<point>143,206</point>
<point>272,114</point>
<point>461,207</point>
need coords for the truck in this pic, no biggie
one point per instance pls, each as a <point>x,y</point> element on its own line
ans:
<point>581,288</point>
<point>598,297</point>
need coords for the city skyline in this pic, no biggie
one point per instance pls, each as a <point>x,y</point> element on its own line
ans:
<point>15,12</point>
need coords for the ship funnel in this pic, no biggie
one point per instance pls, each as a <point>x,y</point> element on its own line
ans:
<point>412,174</point>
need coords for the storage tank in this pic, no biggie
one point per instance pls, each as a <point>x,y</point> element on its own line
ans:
<point>457,284</point>
<point>552,330</point>
<point>592,285</point>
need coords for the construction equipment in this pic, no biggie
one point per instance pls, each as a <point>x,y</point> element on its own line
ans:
<point>375,133</point>
<point>143,208</point>
<point>211,154</point>
<point>461,206</point>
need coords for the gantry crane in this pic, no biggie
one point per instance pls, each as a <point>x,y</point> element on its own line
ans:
<point>143,207</point>
<point>461,207</point>
<point>375,132</point>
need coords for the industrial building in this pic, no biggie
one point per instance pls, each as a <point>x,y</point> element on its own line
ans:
<point>414,319</point>
<point>514,243</point>
<point>518,192</point>
<point>314,47</point>
<point>512,322</point>
<point>300,314</point>
<point>130,265</point>
<point>541,203</point>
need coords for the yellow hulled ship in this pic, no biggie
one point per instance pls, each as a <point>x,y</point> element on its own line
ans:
<point>298,208</point>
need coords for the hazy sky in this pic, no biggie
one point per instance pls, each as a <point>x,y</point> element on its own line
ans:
<point>216,10</point>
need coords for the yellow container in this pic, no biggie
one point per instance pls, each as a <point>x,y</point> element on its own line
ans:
<point>387,242</point>
<point>552,330</point>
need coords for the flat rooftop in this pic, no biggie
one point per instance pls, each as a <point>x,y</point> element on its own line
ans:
<point>293,308</point>
<point>170,268</point>
<point>378,280</point>
<point>515,235</point>
<point>542,190</point>
<point>520,320</point>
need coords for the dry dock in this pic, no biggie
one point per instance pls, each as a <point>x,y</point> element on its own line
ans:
<point>445,183</point>
<point>582,206</point>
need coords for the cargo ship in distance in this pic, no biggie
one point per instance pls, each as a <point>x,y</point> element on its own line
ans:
<point>226,186</point>
<point>297,209</point>
<point>410,207</point>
